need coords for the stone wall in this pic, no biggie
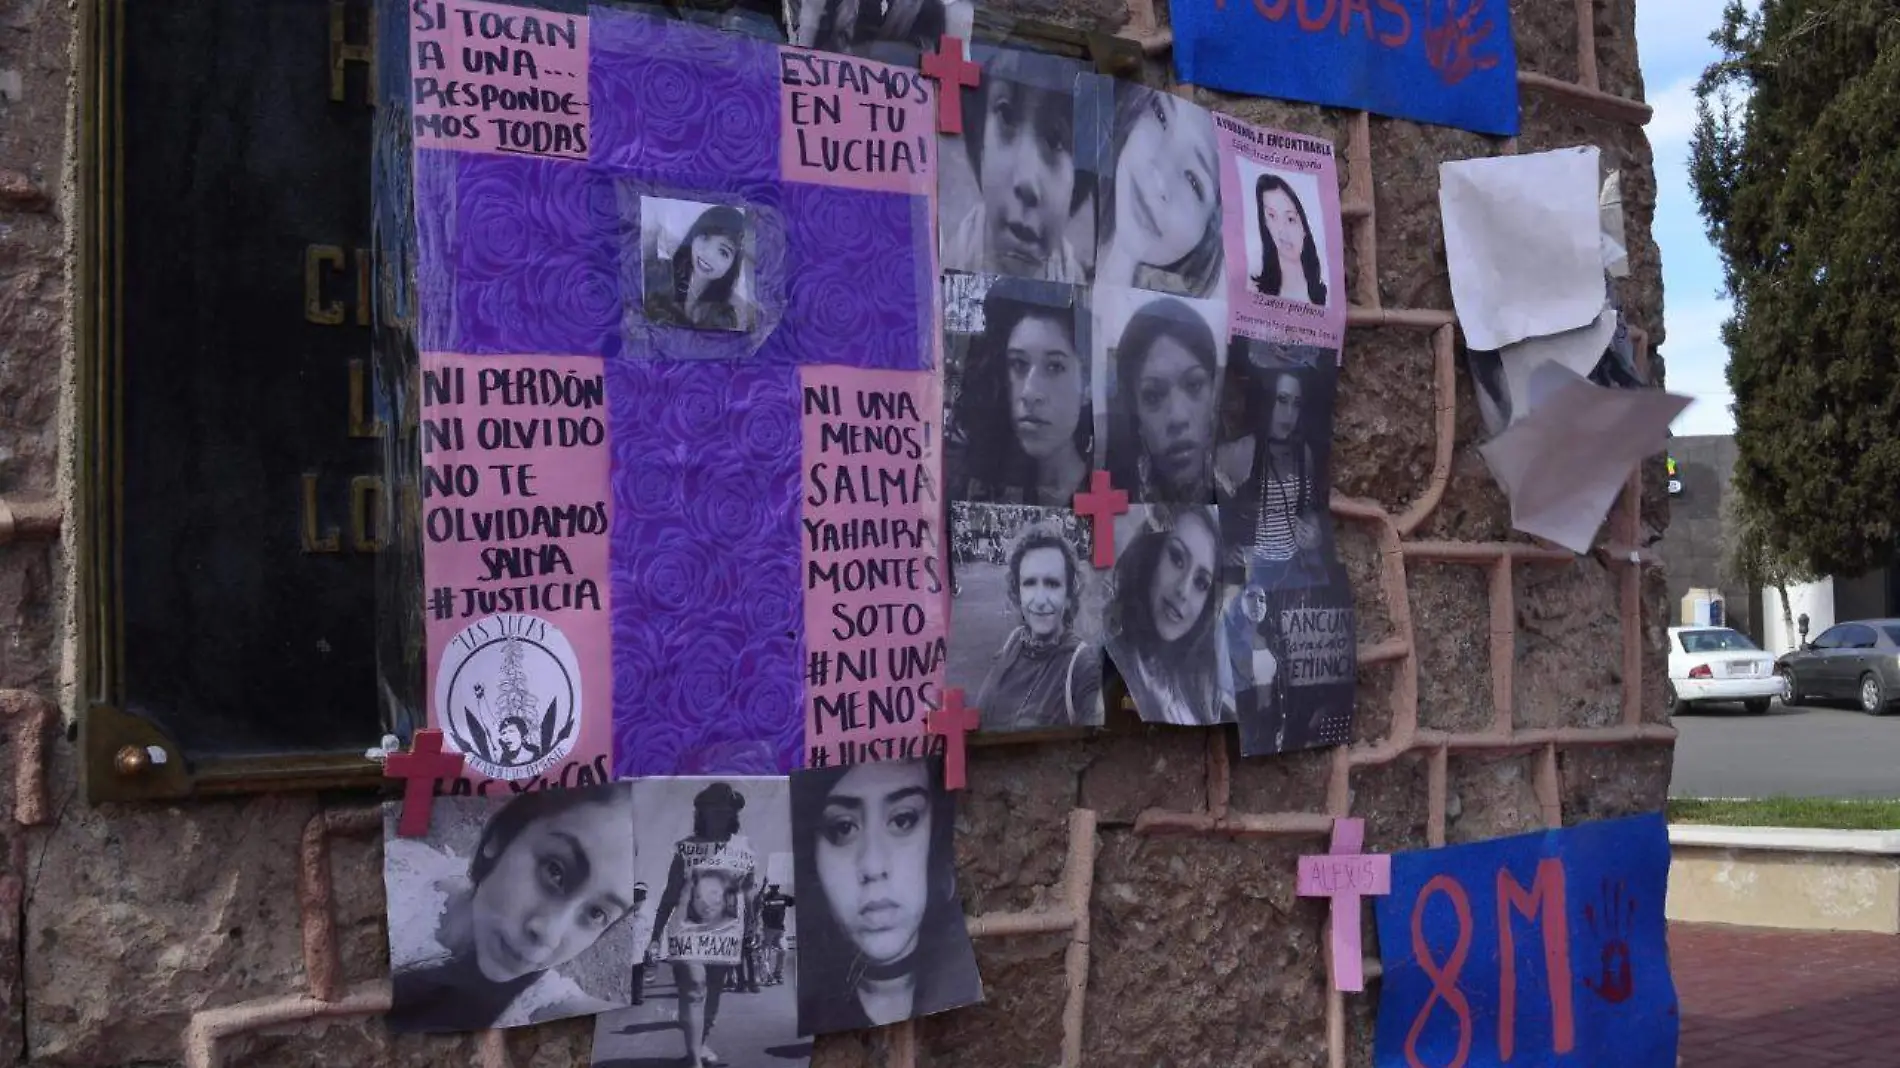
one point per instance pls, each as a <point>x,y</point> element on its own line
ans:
<point>119,923</point>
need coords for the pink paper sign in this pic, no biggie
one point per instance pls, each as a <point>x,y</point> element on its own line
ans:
<point>1280,213</point>
<point>494,78</point>
<point>856,124</point>
<point>515,525</point>
<point>873,564</point>
<point>1344,875</point>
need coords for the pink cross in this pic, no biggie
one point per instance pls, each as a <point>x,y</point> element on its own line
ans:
<point>952,72</point>
<point>952,721</point>
<point>422,765</point>
<point>1102,503</point>
<point>1345,875</point>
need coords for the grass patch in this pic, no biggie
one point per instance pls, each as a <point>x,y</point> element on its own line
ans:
<point>1830,813</point>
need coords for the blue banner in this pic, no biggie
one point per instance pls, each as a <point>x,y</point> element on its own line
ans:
<point>1540,949</point>
<point>1449,62</point>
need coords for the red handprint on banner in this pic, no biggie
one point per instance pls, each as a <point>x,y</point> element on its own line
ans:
<point>1616,983</point>
<point>1453,36</point>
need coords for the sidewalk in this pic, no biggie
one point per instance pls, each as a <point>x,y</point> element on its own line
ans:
<point>1757,997</point>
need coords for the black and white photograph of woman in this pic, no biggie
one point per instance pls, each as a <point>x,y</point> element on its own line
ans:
<point>892,31</point>
<point>1275,465</point>
<point>1162,622</point>
<point>1016,188</point>
<point>712,846</point>
<point>1163,357</point>
<point>1026,624</point>
<point>509,911</point>
<point>1161,212</point>
<point>882,936</point>
<point>1285,234</point>
<point>1021,422</point>
<point>696,264</point>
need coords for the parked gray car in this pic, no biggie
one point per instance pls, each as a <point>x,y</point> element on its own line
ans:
<point>1858,661</point>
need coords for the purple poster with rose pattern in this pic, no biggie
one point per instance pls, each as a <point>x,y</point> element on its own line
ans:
<point>713,215</point>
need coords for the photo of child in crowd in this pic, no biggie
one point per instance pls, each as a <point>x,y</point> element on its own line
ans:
<point>1161,226</point>
<point>891,31</point>
<point>1026,621</point>
<point>511,910</point>
<point>1162,360</point>
<point>696,264</point>
<point>1275,462</point>
<point>881,930</point>
<point>718,853</point>
<point>1020,419</point>
<point>1162,619</point>
<point>1016,189</point>
<point>1289,661</point>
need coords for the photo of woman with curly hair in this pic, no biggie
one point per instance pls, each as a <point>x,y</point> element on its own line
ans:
<point>1162,621</point>
<point>1163,394</point>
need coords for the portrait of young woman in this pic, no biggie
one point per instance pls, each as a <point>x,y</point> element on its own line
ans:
<point>1013,196</point>
<point>1163,394</point>
<point>1028,617</point>
<point>1162,621</point>
<point>696,271</point>
<point>1022,426</point>
<point>1161,208</point>
<point>508,912</point>
<point>883,937</point>
<point>1284,241</point>
<point>1275,481</point>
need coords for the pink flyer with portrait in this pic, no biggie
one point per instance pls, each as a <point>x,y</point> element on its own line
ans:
<point>1286,257</point>
<point>516,514</point>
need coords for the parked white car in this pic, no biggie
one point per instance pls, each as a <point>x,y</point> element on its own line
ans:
<point>1719,664</point>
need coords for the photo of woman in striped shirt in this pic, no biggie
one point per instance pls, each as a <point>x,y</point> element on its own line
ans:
<point>1274,478</point>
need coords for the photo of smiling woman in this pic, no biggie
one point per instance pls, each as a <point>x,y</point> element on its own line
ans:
<point>1022,202</point>
<point>695,270</point>
<point>1291,258</point>
<point>1163,393</point>
<point>1026,618</point>
<point>1161,212</point>
<point>883,938</point>
<point>508,912</point>
<point>1162,621</point>
<point>1022,425</point>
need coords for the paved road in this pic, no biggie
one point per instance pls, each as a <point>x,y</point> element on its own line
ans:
<point>1797,752</point>
<point>752,1030</point>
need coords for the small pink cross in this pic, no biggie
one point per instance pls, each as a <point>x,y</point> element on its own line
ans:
<point>1345,875</point>
<point>952,72</point>
<point>1102,502</point>
<point>952,721</point>
<point>422,765</point>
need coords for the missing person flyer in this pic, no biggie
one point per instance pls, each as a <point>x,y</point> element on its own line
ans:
<point>1286,258</point>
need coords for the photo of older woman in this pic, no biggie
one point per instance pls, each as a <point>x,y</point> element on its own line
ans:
<point>1162,620</point>
<point>882,937</point>
<point>508,912</point>
<point>713,845</point>
<point>1027,617</point>
<point>1164,357</point>
<point>695,264</point>
<point>1022,422</point>
<point>1016,188</point>
<point>1282,238</point>
<point>1275,468</point>
<point>1161,210</point>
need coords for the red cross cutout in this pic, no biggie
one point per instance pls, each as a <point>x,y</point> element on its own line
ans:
<point>1102,503</point>
<point>1345,875</point>
<point>952,721</point>
<point>952,73</point>
<point>421,766</point>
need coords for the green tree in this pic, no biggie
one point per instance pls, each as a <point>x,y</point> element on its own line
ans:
<point>1796,164</point>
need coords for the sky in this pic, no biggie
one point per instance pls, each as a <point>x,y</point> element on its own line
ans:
<point>1672,38</point>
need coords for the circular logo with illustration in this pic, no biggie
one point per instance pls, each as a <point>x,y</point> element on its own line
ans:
<point>508,696</point>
